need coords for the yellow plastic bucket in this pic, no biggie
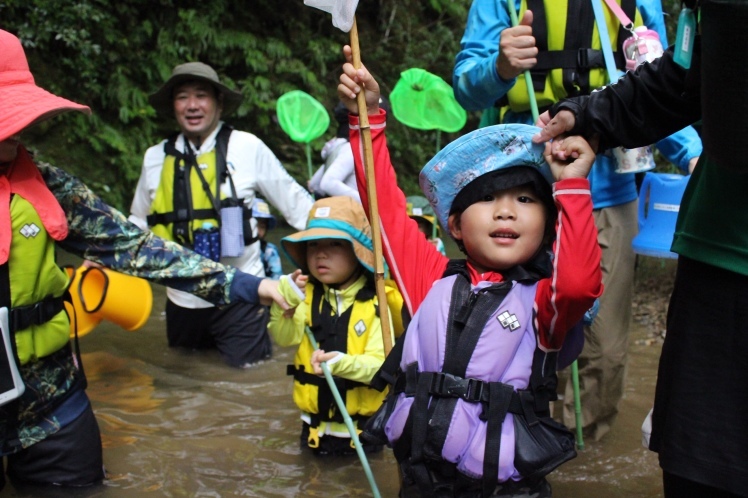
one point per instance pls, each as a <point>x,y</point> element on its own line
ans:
<point>85,322</point>
<point>119,298</point>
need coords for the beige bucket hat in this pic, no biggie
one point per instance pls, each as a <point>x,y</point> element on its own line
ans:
<point>163,99</point>
<point>338,217</point>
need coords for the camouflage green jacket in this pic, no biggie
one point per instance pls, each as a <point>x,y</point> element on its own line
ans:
<point>99,233</point>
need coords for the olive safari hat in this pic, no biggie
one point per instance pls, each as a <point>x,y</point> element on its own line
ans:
<point>163,99</point>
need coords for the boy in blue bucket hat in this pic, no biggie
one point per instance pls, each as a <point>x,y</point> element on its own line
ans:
<point>269,254</point>
<point>469,409</point>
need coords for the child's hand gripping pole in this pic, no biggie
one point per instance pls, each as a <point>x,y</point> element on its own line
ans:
<point>371,189</point>
<point>346,417</point>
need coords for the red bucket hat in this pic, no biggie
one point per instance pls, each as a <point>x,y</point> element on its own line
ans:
<point>24,103</point>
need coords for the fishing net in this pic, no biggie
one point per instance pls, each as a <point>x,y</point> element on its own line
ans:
<point>425,101</point>
<point>343,11</point>
<point>301,116</point>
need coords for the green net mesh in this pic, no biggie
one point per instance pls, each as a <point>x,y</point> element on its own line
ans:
<point>301,116</point>
<point>425,101</point>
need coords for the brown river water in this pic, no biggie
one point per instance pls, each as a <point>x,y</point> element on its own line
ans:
<point>182,424</point>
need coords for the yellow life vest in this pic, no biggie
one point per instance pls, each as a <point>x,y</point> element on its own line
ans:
<point>558,74</point>
<point>189,191</point>
<point>360,400</point>
<point>179,201</point>
<point>34,276</point>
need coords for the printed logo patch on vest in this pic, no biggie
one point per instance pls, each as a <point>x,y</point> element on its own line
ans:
<point>30,230</point>
<point>508,321</point>
<point>360,328</point>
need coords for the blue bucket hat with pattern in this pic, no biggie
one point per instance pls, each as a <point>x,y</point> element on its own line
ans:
<point>478,153</point>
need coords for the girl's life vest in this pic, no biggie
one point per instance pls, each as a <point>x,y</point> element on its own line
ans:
<point>570,59</point>
<point>31,283</point>
<point>347,333</point>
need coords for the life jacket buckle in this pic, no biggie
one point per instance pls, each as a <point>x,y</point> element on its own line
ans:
<point>588,58</point>
<point>437,384</point>
<point>474,391</point>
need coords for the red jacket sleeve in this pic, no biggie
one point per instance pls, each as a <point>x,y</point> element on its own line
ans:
<point>576,280</point>
<point>414,263</point>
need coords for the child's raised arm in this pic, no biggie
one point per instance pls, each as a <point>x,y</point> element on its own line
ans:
<point>569,157</point>
<point>351,81</point>
<point>414,263</point>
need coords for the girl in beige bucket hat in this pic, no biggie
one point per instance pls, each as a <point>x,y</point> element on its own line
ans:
<point>340,305</point>
<point>48,431</point>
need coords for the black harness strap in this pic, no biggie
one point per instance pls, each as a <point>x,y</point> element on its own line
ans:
<point>500,397</point>
<point>578,35</point>
<point>538,72</point>
<point>182,202</point>
<point>304,377</point>
<point>180,215</point>
<point>5,285</point>
<point>413,440</point>
<point>331,333</point>
<point>576,58</point>
<point>23,317</point>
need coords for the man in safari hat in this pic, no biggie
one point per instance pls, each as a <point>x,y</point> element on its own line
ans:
<point>187,183</point>
<point>48,431</point>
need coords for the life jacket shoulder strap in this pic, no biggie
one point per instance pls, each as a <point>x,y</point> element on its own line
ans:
<point>576,58</point>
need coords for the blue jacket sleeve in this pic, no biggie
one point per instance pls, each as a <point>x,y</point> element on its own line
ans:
<point>680,147</point>
<point>653,18</point>
<point>476,83</point>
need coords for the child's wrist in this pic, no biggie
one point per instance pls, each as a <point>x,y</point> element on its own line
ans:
<point>296,295</point>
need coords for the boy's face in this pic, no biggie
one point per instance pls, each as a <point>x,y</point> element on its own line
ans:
<point>262,228</point>
<point>332,262</point>
<point>504,229</point>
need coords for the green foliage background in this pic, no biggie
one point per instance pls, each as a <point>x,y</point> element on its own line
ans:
<point>111,54</point>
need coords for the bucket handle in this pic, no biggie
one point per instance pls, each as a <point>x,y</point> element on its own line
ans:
<point>98,306</point>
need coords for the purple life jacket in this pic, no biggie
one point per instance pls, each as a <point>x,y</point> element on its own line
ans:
<point>471,364</point>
